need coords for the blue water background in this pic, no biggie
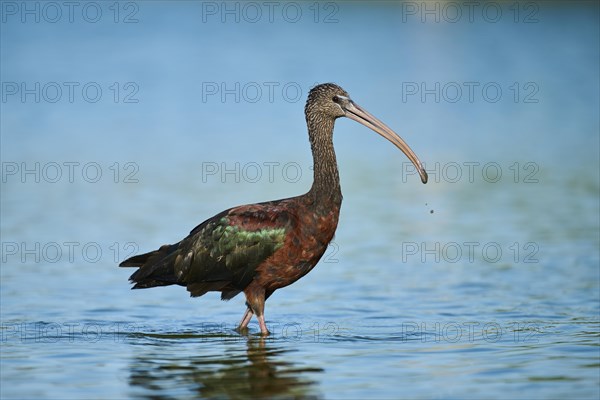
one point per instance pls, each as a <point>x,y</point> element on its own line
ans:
<point>484,283</point>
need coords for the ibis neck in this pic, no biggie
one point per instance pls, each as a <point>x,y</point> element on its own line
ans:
<point>326,184</point>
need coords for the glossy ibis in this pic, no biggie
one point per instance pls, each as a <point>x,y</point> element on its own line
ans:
<point>259,248</point>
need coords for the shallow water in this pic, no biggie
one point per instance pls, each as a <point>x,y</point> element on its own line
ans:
<point>484,283</point>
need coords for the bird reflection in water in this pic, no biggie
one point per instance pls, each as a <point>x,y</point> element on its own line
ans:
<point>263,370</point>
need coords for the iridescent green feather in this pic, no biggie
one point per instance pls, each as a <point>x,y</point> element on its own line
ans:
<point>224,252</point>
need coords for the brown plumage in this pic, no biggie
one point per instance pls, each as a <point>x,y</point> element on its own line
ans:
<point>260,248</point>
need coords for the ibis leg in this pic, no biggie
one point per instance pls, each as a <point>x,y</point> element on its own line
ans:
<point>245,319</point>
<point>255,299</point>
<point>261,323</point>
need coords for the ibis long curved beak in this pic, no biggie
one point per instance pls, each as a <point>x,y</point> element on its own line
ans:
<point>360,115</point>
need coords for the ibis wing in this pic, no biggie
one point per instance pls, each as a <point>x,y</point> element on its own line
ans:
<point>223,252</point>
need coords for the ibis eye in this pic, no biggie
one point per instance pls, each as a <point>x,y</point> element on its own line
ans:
<point>336,99</point>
